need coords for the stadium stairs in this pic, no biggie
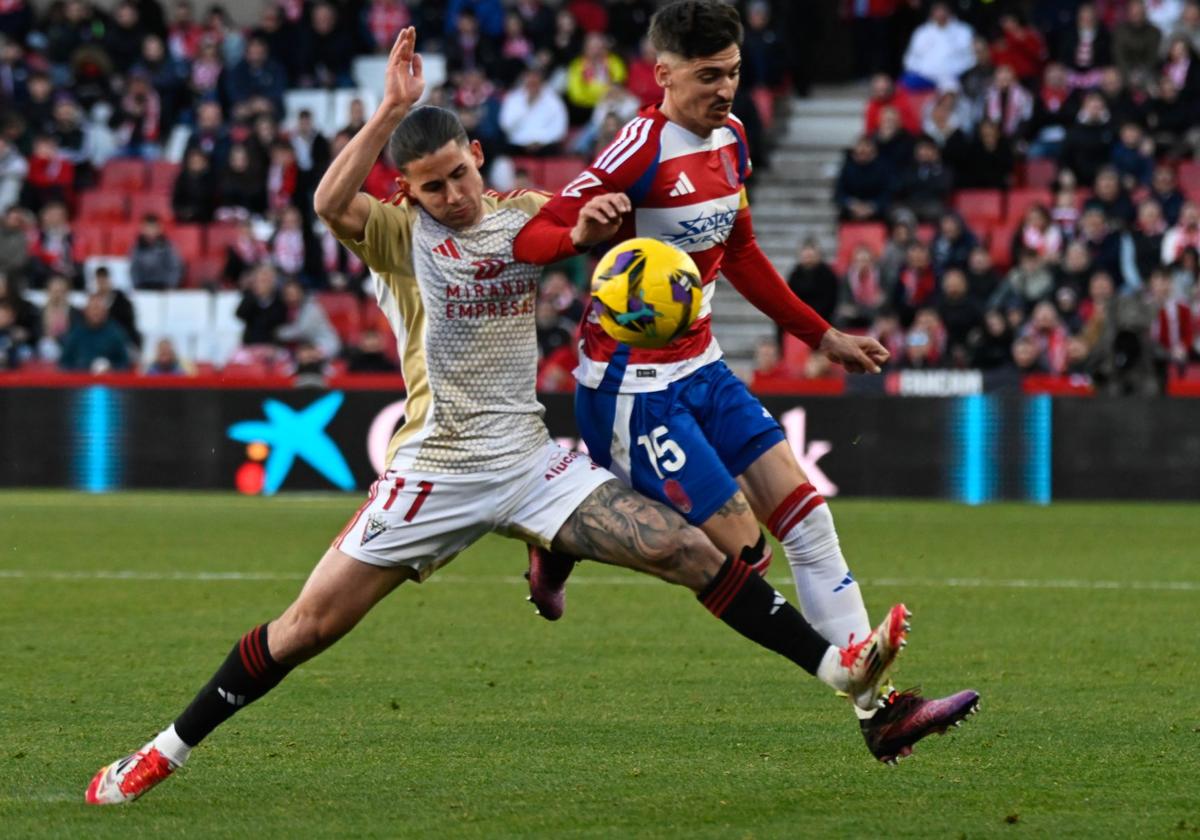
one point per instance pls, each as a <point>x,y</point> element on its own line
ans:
<point>792,201</point>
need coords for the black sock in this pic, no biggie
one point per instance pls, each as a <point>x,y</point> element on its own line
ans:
<point>756,554</point>
<point>751,606</point>
<point>247,674</point>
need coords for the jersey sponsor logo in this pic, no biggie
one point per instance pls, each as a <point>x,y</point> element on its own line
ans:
<point>488,269</point>
<point>707,228</point>
<point>448,249</point>
<point>683,186</point>
<point>561,467</point>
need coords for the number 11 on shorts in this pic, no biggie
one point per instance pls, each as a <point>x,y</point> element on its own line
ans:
<point>424,488</point>
<point>664,453</point>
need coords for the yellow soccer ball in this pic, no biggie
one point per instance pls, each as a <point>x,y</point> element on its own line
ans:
<point>646,293</point>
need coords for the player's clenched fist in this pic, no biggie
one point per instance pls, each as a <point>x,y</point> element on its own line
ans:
<point>600,219</point>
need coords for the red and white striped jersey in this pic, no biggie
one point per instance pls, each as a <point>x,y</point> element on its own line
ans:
<point>687,191</point>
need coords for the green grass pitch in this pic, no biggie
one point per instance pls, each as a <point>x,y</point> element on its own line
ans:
<point>453,712</point>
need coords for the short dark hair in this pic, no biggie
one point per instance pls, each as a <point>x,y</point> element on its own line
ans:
<point>423,132</point>
<point>695,28</point>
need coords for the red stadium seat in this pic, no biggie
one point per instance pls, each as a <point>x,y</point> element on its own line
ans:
<point>1040,173</point>
<point>104,205</point>
<point>560,171</point>
<point>149,202</point>
<point>374,319</point>
<point>162,176</point>
<point>926,232</point>
<point>203,271</point>
<point>533,167</point>
<point>188,241</point>
<point>764,103</point>
<point>1000,245</point>
<point>121,238</point>
<point>344,313</point>
<point>1189,176</point>
<point>127,174</point>
<point>218,237</point>
<point>979,208</point>
<point>795,354</point>
<point>853,234</point>
<point>1020,201</point>
<point>90,238</point>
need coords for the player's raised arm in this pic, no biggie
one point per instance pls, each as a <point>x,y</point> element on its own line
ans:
<point>754,276</point>
<point>338,200</point>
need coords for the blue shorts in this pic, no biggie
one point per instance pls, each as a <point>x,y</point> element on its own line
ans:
<point>682,446</point>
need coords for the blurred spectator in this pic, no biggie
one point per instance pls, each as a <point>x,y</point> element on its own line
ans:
<point>245,252</point>
<point>488,14</point>
<point>283,178</point>
<point>241,190</point>
<point>1065,211</point>
<point>893,144</point>
<point>895,251</point>
<point>960,314</point>
<point>947,117</point>
<point>885,94</point>
<point>1019,47</point>
<point>1171,120</point>
<point>537,20</point>
<point>262,309</point>
<point>53,250</point>
<point>1181,68</point>
<point>975,81</point>
<point>383,21</point>
<point>557,288</point>
<point>534,116</point>
<point>567,40</point>
<point>96,344</point>
<point>1066,303</point>
<point>1172,329</point>
<point>14,246</point>
<point>120,309</point>
<point>952,245</point>
<point>925,186</point>
<point>1025,284</point>
<point>1165,190</point>
<point>916,285</point>
<point>1049,337</point>
<point>1026,358</point>
<point>993,347</point>
<point>1007,104</point>
<point>310,367</point>
<point>590,75</point>
<point>863,188</point>
<point>861,293</point>
<point>307,322</point>
<point>210,135</point>
<point>205,74</point>
<point>24,328</point>
<point>1187,25</point>
<point>1085,47</point>
<point>312,152</point>
<point>918,353</point>
<point>1164,13</point>
<point>166,76</point>
<point>1088,144</point>
<point>325,50</point>
<point>516,49</point>
<point>466,49</point>
<point>166,361</point>
<point>59,317</point>
<point>1136,41</point>
<point>641,82</point>
<point>620,105</point>
<point>1133,157</point>
<point>185,37</point>
<point>153,261</point>
<point>1037,234</point>
<point>1051,114</point>
<point>1185,234</point>
<point>769,368</point>
<point>193,198</point>
<point>369,355</point>
<point>985,162</point>
<point>343,269</point>
<point>1185,272</point>
<point>1100,292</point>
<point>13,169</point>
<point>139,120</point>
<point>940,50</point>
<point>1111,199</point>
<point>219,28</point>
<point>12,350</point>
<point>289,247</point>
<point>888,332</point>
<point>1075,270</point>
<point>813,281</point>
<point>51,175</point>
<point>553,330</point>
<point>256,76</point>
<point>762,52</point>
<point>982,279</point>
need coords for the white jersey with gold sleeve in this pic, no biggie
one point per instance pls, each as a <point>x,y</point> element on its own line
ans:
<point>463,313</point>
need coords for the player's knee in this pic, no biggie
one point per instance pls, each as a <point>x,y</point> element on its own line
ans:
<point>304,632</point>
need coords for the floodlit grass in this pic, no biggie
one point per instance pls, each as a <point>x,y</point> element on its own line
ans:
<point>454,712</point>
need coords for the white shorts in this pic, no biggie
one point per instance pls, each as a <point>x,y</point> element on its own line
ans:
<point>422,519</point>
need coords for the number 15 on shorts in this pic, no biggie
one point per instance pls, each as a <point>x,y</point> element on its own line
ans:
<point>664,453</point>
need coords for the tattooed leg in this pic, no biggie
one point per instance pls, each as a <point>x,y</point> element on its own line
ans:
<point>733,527</point>
<point>616,525</point>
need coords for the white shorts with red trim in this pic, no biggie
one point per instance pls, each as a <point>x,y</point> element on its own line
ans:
<point>422,519</point>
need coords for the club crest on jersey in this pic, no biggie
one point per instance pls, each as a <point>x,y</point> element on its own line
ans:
<point>706,229</point>
<point>375,526</point>
<point>730,165</point>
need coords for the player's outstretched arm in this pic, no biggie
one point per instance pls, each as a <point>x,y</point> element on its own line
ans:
<point>338,200</point>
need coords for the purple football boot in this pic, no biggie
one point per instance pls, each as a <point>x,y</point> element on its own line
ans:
<point>547,576</point>
<point>906,717</point>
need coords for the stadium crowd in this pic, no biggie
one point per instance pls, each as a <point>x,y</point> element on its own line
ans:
<point>1024,192</point>
<point>157,142</point>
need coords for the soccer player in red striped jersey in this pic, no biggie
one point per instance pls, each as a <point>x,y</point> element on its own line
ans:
<point>675,422</point>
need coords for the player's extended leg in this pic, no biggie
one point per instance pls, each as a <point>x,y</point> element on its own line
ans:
<point>616,525</point>
<point>338,593</point>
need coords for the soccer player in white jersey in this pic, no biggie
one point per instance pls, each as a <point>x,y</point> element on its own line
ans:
<point>675,423</point>
<point>473,455</point>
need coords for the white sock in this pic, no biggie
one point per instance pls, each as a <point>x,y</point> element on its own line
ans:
<point>831,671</point>
<point>830,599</point>
<point>172,746</point>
